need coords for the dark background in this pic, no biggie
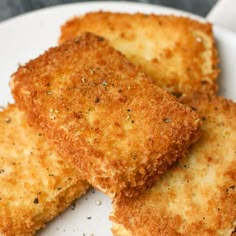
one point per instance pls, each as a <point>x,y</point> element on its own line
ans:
<point>10,8</point>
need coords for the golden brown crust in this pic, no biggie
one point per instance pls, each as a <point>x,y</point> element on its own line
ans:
<point>198,195</point>
<point>120,129</point>
<point>35,184</point>
<point>177,52</point>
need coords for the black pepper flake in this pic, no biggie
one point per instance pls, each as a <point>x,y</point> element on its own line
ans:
<point>100,39</point>
<point>77,40</point>
<point>203,118</point>
<point>73,206</point>
<point>132,121</point>
<point>167,120</point>
<point>177,94</point>
<point>36,201</point>
<point>1,171</point>
<point>98,202</point>
<point>8,120</point>
<point>89,217</point>
<point>97,100</point>
<point>59,188</point>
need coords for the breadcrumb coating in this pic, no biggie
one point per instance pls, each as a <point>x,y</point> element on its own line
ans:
<point>35,184</point>
<point>118,127</point>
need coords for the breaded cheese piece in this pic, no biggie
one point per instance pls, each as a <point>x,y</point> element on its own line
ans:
<point>198,195</point>
<point>179,53</point>
<point>118,127</point>
<point>35,184</point>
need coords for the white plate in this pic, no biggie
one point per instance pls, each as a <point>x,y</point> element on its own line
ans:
<point>25,37</point>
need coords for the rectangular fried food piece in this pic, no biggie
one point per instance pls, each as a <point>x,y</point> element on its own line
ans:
<point>118,127</point>
<point>198,195</point>
<point>179,53</point>
<point>35,184</point>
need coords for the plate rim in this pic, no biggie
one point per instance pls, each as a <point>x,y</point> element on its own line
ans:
<point>103,4</point>
<point>110,5</point>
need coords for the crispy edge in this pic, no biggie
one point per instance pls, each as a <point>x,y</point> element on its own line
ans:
<point>126,217</point>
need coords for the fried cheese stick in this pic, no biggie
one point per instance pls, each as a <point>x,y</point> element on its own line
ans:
<point>35,184</point>
<point>198,195</point>
<point>118,127</point>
